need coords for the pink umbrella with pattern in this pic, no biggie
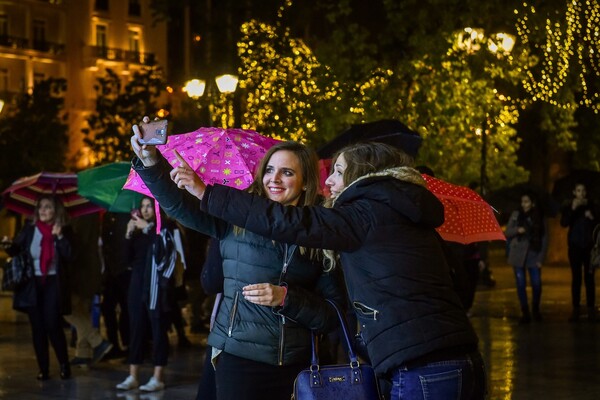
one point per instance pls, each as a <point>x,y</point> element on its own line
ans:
<point>224,156</point>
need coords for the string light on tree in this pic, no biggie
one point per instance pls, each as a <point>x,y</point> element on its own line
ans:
<point>570,49</point>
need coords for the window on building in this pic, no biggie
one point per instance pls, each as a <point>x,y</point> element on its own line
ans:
<point>39,35</point>
<point>3,80</point>
<point>101,40</point>
<point>101,5</point>
<point>134,40</point>
<point>3,25</point>
<point>135,9</point>
<point>134,45</point>
<point>4,38</point>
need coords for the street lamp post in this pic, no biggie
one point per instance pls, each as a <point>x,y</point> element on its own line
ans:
<point>500,44</point>
<point>196,88</point>
<point>483,172</point>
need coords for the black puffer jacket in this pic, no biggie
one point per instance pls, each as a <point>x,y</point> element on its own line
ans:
<point>398,281</point>
<point>273,335</point>
<point>580,226</point>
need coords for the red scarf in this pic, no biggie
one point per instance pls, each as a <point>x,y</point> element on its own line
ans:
<point>47,253</point>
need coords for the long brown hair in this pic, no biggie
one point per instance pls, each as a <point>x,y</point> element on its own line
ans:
<point>309,169</point>
<point>309,164</point>
<point>60,213</point>
<point>363,159</point>
<point>370,157</point>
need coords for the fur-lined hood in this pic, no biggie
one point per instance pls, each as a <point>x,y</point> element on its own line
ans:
<point>405,174</point>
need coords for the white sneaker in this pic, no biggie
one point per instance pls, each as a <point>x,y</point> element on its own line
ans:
<point>152,386</point>
<point>128,384</point>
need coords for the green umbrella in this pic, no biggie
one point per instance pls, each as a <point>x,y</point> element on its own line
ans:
<point>104,186</point>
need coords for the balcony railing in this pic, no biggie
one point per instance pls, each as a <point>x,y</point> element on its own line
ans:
<point>14,42</point>
<point>113,54</point>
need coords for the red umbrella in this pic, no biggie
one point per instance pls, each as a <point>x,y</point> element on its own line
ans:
<point>24,192</point>
<point>225,156</point>
<point>467,217</point>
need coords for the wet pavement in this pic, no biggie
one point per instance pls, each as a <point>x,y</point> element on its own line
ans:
<point>553,359</point>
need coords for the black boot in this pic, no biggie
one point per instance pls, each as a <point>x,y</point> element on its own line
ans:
<point>574,315</point>
<point>537,316</point>
<point>592,314</point>
<point>43,376</point>
<point>525,317</point>
<point>65,371</point>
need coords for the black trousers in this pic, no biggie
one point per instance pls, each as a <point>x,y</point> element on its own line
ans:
<point>143,320</point>
<point>207,388</point>
<point>242,379</point>
<point>579,258</point>
<point>114,294</point>
<point>46,323</point>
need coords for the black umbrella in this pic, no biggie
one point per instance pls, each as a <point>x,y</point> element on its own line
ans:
<point>388,131</point>
<point>563,187</point>
<point>508,199</point>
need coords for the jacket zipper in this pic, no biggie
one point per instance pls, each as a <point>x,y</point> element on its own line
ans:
<point>281,339</point>
<point>233,312</point>
<point>287,256</point>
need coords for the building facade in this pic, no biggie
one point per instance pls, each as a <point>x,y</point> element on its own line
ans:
<point>76,40</point>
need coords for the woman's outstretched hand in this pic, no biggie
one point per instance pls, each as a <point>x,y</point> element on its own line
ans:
<point>147,153</point>
<point>185,178</point>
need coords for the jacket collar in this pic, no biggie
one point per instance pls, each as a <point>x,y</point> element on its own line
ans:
<point>405,174</point>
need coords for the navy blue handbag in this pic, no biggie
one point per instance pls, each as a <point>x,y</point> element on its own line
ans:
<point>352,381</point>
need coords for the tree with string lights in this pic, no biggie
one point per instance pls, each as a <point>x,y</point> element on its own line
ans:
<point>565,48</point>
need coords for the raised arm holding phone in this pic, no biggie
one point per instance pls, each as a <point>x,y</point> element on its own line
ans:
<point>273,293</point>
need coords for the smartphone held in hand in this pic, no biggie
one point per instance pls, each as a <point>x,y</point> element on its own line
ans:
<point>135,213</point>
<point>154,132</point>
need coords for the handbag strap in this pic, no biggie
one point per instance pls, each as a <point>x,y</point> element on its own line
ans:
<point>351,353</point>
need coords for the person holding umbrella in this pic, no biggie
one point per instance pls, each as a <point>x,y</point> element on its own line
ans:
<point>273,293</point>
<point>46,298</point>
<point>382,223</point>
<point>579,215</point>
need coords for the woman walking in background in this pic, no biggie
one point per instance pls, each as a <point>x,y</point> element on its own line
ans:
<point>47,297</point>
<point>579,215</point>
<point>528,242</point>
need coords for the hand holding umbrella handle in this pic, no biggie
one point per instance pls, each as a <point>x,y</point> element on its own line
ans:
<point>185,178</point>
<point>146,153</point>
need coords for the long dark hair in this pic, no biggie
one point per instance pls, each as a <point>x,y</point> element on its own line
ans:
<point>532,221</point>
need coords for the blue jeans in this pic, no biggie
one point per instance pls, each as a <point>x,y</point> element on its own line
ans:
<point>458,379</point>
<point>535,275</point>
